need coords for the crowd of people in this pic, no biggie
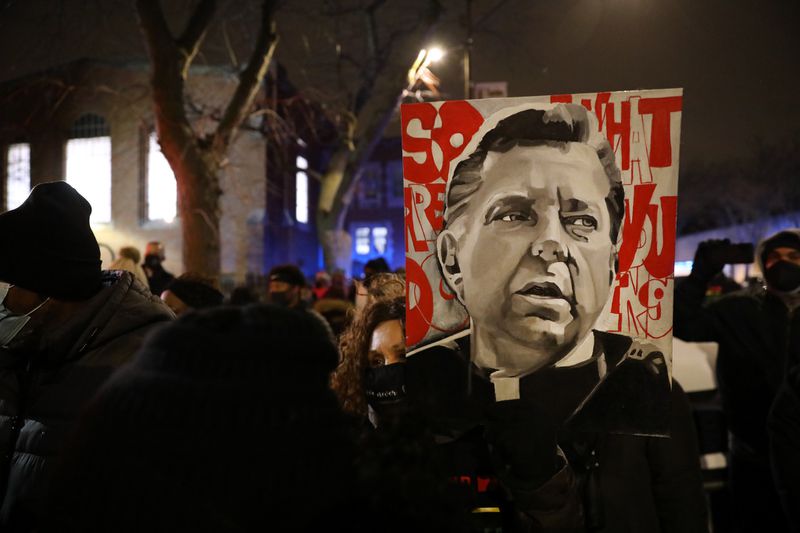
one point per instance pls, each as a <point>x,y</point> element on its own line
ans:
<point>135,400</point>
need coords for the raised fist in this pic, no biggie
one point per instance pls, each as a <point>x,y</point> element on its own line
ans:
<point>708,260</point>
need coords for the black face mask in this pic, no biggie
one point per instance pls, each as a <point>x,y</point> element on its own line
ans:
<point>385,386</point>
<point>152,261</point>
<point>783,276</point>
<point>280,298</point>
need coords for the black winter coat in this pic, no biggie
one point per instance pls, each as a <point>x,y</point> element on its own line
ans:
<point>758,340</point>
<point>41,394</point>
<point>784,431</point>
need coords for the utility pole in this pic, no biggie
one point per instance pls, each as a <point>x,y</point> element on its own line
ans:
<point>468,52</point>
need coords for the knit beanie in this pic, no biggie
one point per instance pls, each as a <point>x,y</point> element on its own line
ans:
<point>47,246</point>
<point>195,294</point>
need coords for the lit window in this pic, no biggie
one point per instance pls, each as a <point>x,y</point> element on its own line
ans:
<point>89,164</point>
<point>362,241</point>
<point>380,238</point>
<point>89,171</point>
<point>301,191</point>
<point>683,268</point>
<point>19,174</point>
<point>162,192</point>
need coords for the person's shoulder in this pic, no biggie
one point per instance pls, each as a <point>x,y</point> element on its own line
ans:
<point>131,292</point>
<point>746,297</point>
<point>440,359</point>
<point>457,342</point>
<point>129,305</point>
<point>436,355</point>
<point>634,397</point>
<point>624,349</point>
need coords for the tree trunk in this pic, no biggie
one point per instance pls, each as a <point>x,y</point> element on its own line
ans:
<point>195,160</point>
<point>198,206</point>
<point>331,211</point>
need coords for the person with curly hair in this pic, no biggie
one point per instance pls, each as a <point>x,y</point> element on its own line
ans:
<point>370,379</point>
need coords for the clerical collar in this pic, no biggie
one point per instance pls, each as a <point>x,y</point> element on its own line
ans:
<point>585,356</point>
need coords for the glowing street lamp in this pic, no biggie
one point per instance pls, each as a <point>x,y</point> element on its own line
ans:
<point>419,70</point>
<point>435,54</point>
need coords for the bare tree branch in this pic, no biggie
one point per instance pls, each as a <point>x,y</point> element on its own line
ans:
<point>367,125</point>
<point>168,92</point>
<point>249,81</point>
<point>154,26</point>
<point>229,47</point>
<point>189,42</point>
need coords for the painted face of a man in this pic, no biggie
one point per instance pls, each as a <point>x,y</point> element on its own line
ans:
<point>533,250</point>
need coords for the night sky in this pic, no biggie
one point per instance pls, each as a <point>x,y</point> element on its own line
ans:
<point>736,60</point>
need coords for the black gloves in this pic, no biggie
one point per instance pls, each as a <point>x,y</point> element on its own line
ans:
<point>523,443</point>
<point>707,260</point>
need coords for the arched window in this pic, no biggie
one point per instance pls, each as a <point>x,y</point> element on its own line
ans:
<point>89,164</point>
<point>161,193</point>
<point>18,174</point>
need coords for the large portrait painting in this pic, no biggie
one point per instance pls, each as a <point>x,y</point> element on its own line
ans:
<point>540,237</point>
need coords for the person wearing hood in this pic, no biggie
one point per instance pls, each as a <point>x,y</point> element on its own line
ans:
<point>65,326</point>
<point>758,331</point>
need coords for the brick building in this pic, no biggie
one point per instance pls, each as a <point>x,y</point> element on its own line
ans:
<point>91,124</point>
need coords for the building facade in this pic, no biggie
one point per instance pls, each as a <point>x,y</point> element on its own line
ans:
<point>91,124</point>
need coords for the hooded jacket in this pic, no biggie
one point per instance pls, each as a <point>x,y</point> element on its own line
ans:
<point>758,332</point>
<point>42,393</point>
<point>759,338</point>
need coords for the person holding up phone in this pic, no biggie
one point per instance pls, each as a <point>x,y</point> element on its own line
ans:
<point>758,331</point>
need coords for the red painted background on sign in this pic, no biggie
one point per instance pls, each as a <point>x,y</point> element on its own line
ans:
<point>638,127</point>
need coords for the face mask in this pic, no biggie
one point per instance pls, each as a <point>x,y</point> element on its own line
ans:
<point>280,298</point>
<point>385,385</point>
<point>152,261</point>
<point>783,276</point>
<point>10,323</point>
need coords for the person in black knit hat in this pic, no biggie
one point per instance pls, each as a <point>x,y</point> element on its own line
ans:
<point>285,285</point>
<point>223,422</point>
<point>65,325</point>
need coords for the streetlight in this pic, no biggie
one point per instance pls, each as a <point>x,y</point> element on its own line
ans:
<point>424,59</point>
<point>419,71</point>
<point>435,54</point>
